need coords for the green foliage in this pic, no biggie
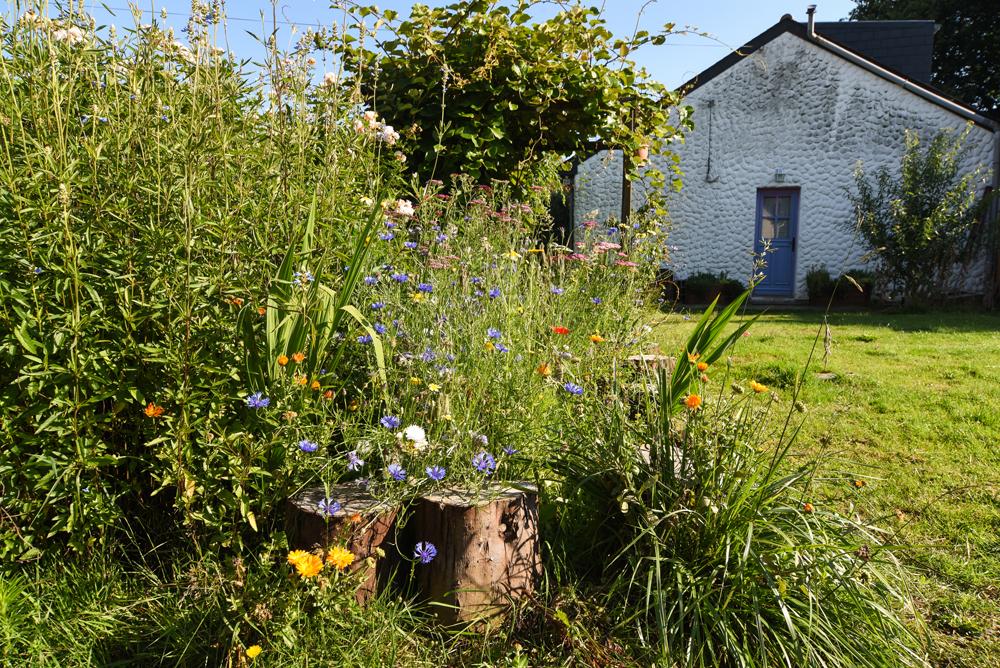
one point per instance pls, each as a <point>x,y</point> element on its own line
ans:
<point>925,224</point>
<point>819,283</point>
<point>723,554</point>
<point>482,88</point>
<point>966,43</point>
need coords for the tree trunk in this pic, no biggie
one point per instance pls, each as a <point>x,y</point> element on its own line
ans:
<point>487,550</point>
<point>362,525</point>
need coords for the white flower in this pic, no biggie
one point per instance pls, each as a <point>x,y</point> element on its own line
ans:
<point>404,208</point>
<point>372,119</point>
<point>359,126</point>
<point>330,79</point>
<point>399,156</point>
<point>72,35</point>
<point>389,135</point>
<point>416,436</point>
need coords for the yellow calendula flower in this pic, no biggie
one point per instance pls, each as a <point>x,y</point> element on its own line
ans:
<point>353,406</point>
<point>433,387</point>
<point>295,556</point>
<point>513,255</point>
<point>309,566</point>
<point>489,345</point>
<point>757,387</point>
<point>339,557</point>
<point>596,338</point>
<point>315,385</point>
<point>418,297</point>
<point>415,381</point>
<point>544,369</point>
<point>253,651</point>
<point>282,359</point>
<point>693,357</point>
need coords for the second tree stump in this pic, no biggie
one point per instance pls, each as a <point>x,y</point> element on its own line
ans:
<point>487,549</point>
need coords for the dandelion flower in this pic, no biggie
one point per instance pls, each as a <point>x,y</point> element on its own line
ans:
<point>757,387</point>
<point>295,556</point>
<point>433,387</point>
<point>692,401</point>
<point>339,557</point>
<point>153,411</point>
<point>253,651</point>
<point>415,436</point>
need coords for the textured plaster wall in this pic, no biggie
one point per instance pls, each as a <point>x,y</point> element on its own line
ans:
<point>794,107</point>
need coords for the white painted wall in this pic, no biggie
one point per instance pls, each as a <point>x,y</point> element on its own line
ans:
<point>791,106</point>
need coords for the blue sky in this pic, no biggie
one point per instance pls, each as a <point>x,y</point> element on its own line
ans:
<point>731,22</point>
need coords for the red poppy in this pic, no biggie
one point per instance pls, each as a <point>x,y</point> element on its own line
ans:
<point>560,330</point>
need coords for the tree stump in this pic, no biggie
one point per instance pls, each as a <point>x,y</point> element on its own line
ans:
<point>362,525</point>
<point>487,550</point>
<point>653,362</point>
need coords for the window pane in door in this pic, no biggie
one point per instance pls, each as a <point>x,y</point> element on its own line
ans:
<point>774,229</point>
<point>769,207</point>
<point>784,206</point>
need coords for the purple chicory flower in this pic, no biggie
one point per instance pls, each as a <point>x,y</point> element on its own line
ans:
<point>596,300</point>
<point>556,290</point>
<point>371,280</point>
<point>258,400</point>
<point>378,306</point>
<point>328,507</point>
<point>379,328</point>
<point>400,277</point>
<point>484,463</point>
<point>425,552</point>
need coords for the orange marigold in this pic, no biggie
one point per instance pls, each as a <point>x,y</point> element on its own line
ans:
<point>282,359</point>
<point>236,301</point>
<point>757,387</point>
<point>261,310</point>
<point>328,394</point>
<point>315,385</point>
<point>298,358</point>
<point>544,369</point>
<point>807,507</point>
<point>693,357</point>
<point>340,558</point>
<point>596,338</point>
<point>154,411</point>
<point>301,380</point>
<point>692,401</point>
<point>702,366</point>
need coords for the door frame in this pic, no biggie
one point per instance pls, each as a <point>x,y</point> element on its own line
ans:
<point>795,192</point>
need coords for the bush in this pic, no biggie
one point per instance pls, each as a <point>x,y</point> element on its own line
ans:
<point>819,284</point>
<point>704,287</point>
<point>925,226</point>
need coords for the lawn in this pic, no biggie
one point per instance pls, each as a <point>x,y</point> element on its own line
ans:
<point>912,408</point>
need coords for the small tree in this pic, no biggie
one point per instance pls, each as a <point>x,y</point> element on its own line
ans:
<point>480,87</point>
<point>926,224</point>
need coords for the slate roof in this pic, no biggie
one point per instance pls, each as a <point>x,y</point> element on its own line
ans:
<point>823,41</point>
<point>904,46</point>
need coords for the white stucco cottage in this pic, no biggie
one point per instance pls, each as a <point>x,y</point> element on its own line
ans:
<point>780,127</point>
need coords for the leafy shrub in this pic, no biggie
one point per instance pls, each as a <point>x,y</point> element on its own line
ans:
<point>819,283</point>
<point>705,286</point>
<point>925,225</point>
<point>722,553</point>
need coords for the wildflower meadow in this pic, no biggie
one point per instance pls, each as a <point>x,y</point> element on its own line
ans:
<point>224,286</point>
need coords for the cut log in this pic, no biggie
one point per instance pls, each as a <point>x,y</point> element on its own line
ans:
<point>363,525</point>
<point>487,550</point>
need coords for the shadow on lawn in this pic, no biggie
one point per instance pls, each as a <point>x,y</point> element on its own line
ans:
<point>943,320</point>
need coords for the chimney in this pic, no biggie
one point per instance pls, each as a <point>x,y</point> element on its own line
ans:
<point>811,29</point>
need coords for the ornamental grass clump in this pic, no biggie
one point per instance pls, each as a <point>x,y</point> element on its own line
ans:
<point>715,546</point>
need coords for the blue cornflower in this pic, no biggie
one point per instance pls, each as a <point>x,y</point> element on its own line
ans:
<point>573,388</point>
<point>306,445</point>
<point>354,463</point>
<point>425,287</point>
<point>328,507</point>
<point>477,294</point>
<point>378,306</point>
<point>302,277</point>
<point>501,348</point>
<point>425,552</point>
<point>102,119</point>
<point>435,472</point>
<point>612,231</point>
<point>441,238</point>
<point>507,450</point>
<point>371,280</point>
<point>556,290</point>
<point>389,224</point>
<point>494,293</point>
<point>476,280</point>
<point>379,328</point>
<point>390,422</point>
<point>410,245</point>
<point>482,439</point>
<point>596,300</point>
<point>165,118</point>
<point>36,271</point>
<point>397,472</point>
<point>428,355</point>
<point>493,333</point>
<point>400,278</point>
<point>387,236</point>
<point>484,463</point>
<point>365,339</point>
<point>258,400</point>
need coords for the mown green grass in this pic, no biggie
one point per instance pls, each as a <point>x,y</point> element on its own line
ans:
<point>913,410</point>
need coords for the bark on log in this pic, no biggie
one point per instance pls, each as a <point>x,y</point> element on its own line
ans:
<point>487,550</point>
<point>362,525</point>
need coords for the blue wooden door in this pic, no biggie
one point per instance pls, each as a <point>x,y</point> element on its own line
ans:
<point>776,228</point>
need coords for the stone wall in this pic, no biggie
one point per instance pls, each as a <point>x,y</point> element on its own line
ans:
<point>792,107</point>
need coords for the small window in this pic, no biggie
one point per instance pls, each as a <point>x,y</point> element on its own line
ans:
<point>776,217</point>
